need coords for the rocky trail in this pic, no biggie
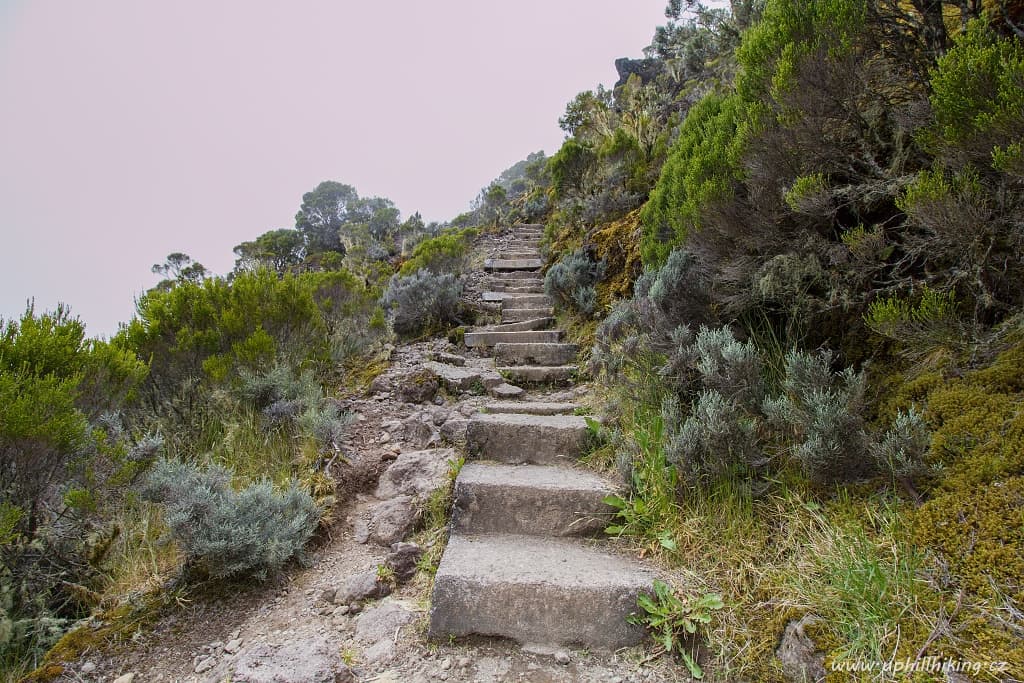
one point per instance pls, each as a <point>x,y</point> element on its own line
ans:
<point>526,589</point>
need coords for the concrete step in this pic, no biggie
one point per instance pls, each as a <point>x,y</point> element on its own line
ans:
<point>518,438</point>
<point>518,315</point>
<point>514,275</point>
<point>531,500</point>
<point>490,338</point>
<point>526,325</point>
<point>524,299</point>
<point>539,374</point>
<point>511,300</point>
<point>531,408</point>
<point>542,591</point>
<point>535,354</point>
<point>514,286</point>
<point>513,264</point>
<point>525,245</point>
<point>519,254</point>
<point>505,391</point>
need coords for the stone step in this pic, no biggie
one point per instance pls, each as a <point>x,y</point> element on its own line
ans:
<point>532,408</point>
<point>518,315</point>
<point>525,299</point>
<point>543,591</point>
<point>514,286</point>
<point>536,439</point>
<point>514,245</point>
<point>514,275</point>
<point>490,338</point>
<point>519,254</point>
<point>535,354</point>
<point>505,391</point>
<point>526,325</point>
<point>513,264</point>
<point>539,374</point>
<point>531,500</point>
<point>512,300</point>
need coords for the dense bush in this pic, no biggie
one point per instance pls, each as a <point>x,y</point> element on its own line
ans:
<point>226,533</point>
<point>446,253</point>
<point>572,282</point>
<point>423,302</point>
<point>61,465</point>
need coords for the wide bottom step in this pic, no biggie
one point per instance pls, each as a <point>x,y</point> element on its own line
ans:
<point>536,590</point>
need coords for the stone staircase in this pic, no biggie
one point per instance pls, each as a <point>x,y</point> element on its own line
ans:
<point>520,562</point>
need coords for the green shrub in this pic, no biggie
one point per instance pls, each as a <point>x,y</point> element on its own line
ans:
<point>826,411</point>
<point>423,302</point>
<point>226,533</point>
<point>572,282</point>
<point>446,253</point>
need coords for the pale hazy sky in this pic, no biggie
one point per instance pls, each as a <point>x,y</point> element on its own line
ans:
<point>133,128</point>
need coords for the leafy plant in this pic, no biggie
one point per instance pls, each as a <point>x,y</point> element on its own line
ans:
<point>423,302</point>
<point>572,282</point>
<point>228,533</point>
<point>675,622</point>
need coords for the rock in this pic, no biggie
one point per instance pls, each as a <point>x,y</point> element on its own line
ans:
<point>379,385</point>
<point>364,586</point>
<point>392,520</point>
<point>418,432</point>
<point>464,662</point>
<point>418,387</point>
<point>402,560</point>
<point>382,621</point>
<point>446,664</point>
<point>455,379</point>
<point>562,657</point>
<point>416,473</point>
<point>800,658</point>
<point>361,530</point>
<point>380,652</point>
<point>440,416</point>
<point>449,358</point>
<point>454,430</point>
<point>126,678</point>
<point>205,665</point>
<point>384,437</point>
<point>87,668</point>
<point>233,646</point>
<point>327,595</point>
<point>296,661</point>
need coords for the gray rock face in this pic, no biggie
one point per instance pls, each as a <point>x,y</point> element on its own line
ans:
<point>416,473</point>
<point>801,660</point>
<point>381,621</point>
<point>362,587</point>
<point>419,430</point>
<point>392,520</point>
<point>455,379</point>
<point>313,661</point>
<point>536,590</point>
<point>454,430</point>
<point>418,387</point>
<point>402,560</point>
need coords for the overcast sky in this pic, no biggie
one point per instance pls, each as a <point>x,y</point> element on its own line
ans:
<point>133,128</point>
